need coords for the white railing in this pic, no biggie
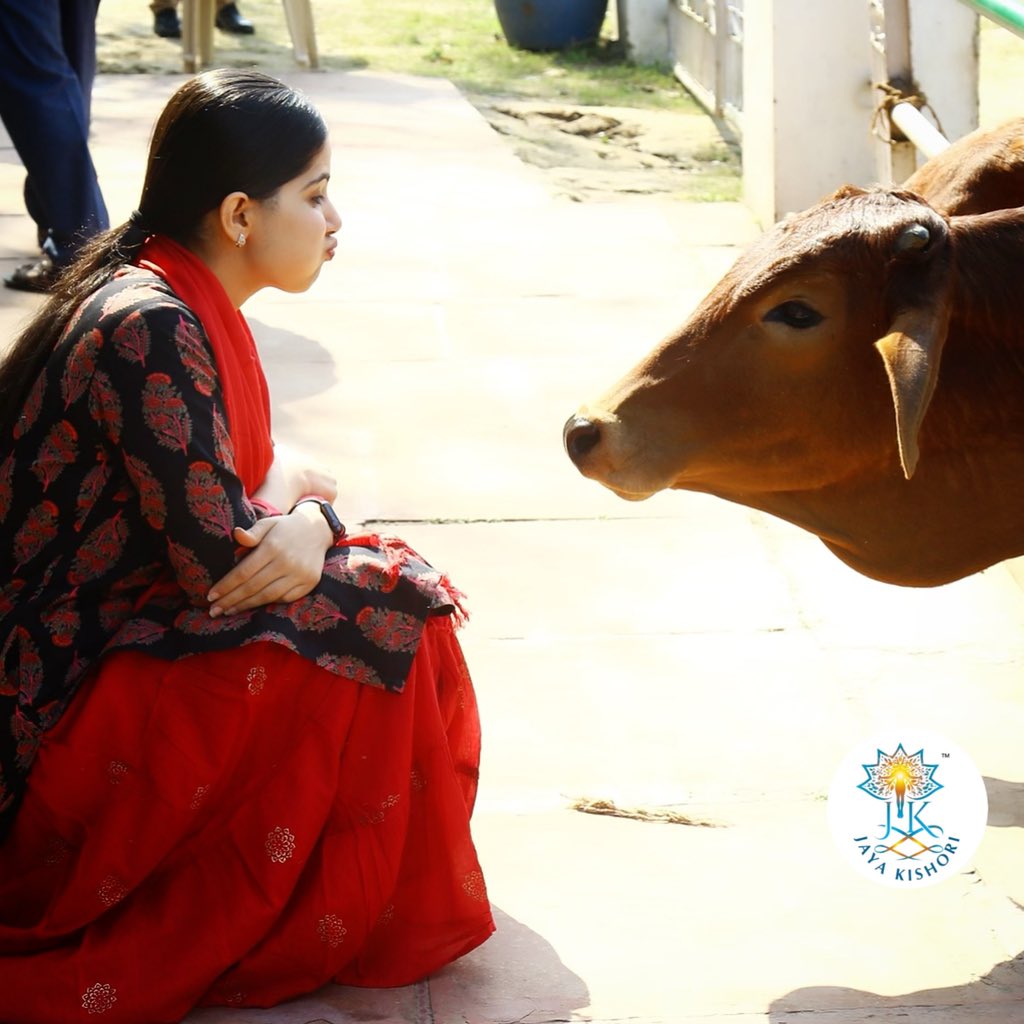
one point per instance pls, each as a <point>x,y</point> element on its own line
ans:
<point>706,46</point>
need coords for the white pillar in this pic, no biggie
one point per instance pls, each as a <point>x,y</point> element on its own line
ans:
<point>807,103</point>
<point>936,43</point>
<point>643,28</point>
<point>808,98</point>
<point>944,49</point>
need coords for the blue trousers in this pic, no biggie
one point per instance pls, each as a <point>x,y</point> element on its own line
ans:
<point>47,66</point>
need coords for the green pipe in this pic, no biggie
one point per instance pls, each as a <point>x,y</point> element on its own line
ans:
<point>1008,13</point>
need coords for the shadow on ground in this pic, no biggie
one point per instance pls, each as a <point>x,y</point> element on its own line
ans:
<point>1005,803</point>
<point>995,998</point>
<point>516,975</point>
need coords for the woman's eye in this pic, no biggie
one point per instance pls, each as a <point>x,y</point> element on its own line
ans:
<point>794,314</point>
<point>318,199</point>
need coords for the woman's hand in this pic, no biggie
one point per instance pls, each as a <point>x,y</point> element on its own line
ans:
<point>285,563</point>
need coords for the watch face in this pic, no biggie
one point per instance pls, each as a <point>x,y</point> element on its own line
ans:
<point>336,525</point>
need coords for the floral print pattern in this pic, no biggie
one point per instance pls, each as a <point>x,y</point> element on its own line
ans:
<point>118,497</point>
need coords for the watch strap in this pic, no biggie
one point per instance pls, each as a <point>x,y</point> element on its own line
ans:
<point>327,510</point>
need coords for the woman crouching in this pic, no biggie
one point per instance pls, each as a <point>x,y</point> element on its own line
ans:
<point>238,746</point>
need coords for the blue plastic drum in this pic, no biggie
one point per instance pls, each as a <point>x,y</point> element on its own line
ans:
<point>550,24</point>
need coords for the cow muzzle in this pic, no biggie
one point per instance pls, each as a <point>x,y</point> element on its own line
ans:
<point>580,437</point>
<point>597,450</point>
<point>606,440</point>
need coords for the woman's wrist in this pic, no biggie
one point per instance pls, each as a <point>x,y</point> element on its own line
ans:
<point>336,526</point>
<point>310,510</point>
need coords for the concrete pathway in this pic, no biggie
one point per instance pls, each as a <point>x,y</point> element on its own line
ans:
<point>680,654</point>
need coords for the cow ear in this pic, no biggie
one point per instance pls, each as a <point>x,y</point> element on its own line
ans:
<point>919,289</point>
<point>911,352</point>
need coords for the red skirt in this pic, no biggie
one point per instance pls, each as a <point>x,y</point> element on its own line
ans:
<point>240,828</point>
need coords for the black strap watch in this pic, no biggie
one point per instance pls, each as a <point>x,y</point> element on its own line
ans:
<point>336,525</point>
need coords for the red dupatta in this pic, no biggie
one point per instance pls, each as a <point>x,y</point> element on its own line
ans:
<point>242,382</point>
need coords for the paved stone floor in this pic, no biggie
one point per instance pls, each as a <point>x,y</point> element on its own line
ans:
<point>680,654</point>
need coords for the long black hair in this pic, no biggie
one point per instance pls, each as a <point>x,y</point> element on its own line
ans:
<point>223,131</point>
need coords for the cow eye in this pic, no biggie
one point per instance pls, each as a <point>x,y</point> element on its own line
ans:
<point>795,314</point>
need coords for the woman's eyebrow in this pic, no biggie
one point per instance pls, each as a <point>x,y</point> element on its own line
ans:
<point>326,176</point>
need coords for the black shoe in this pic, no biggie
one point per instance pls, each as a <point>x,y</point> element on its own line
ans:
<point>166,23</point>
<point>230,20</point>
<point>38,275</point>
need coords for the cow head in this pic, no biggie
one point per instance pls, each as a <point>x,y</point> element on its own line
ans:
<point>814,358</point>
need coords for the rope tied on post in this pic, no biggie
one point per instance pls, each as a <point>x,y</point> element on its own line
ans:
<point>893,93</point>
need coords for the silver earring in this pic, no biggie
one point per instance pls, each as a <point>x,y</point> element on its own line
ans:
<point>240,240</point>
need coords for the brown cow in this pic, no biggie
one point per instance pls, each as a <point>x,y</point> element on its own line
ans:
<point>981,172</point>
<point>779,392</point>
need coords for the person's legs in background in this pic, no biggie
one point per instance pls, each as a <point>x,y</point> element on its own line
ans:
<point>165,18</point>
<point>229,19</point>
<point>78,37</point>
<point>47,66</point>
<point>167,24</point>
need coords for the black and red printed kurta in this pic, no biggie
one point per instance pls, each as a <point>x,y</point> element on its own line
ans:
<point>118,497</point>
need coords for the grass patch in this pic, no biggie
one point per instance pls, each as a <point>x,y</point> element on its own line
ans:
<point>460,40</point>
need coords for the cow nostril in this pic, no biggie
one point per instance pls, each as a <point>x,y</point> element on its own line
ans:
<point>580,436</point>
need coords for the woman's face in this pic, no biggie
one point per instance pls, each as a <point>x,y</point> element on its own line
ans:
<point>294,231</point>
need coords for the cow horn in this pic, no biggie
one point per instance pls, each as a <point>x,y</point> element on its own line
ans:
<point>913,238</point>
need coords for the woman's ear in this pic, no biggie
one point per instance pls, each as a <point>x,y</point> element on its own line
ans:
<point>236,216</point>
